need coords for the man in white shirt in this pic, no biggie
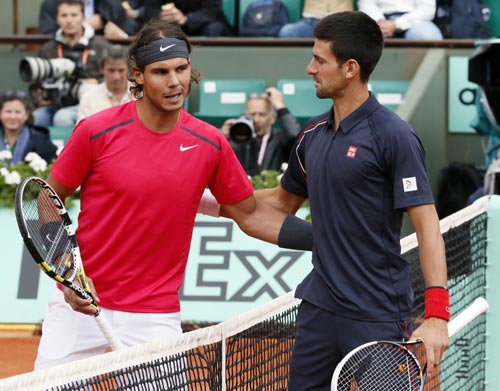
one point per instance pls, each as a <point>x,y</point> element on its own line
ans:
<point>409,19</point>
<point>114,89</point>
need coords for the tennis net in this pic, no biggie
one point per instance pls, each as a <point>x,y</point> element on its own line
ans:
<point>252,351</point>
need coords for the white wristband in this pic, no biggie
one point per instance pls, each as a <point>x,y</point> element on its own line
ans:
<point>208,204</point>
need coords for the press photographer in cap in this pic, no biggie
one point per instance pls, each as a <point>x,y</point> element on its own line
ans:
<point>257,143</point>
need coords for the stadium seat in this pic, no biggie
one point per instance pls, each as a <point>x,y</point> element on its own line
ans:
<point>390,93</point>
<point>294,9</point>
<point>494,21</point>
<point>301,100</point>
<point>220,99</point>
<point>229,8</point>
<point>60,134</point>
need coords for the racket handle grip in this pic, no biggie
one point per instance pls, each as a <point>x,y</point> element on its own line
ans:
<point>108,331</point>
<point>478,307</point>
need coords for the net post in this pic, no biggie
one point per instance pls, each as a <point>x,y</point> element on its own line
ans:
<point>492,380</point>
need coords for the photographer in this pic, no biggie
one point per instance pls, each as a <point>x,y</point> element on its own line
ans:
<point>74,40</point>
<point>257,144</point>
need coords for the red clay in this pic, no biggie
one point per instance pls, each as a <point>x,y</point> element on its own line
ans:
<point>17,354</point>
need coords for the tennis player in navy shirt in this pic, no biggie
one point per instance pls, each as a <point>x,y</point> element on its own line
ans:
<point>362,167</point>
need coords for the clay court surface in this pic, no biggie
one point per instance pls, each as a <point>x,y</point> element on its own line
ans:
<point>17,351</point>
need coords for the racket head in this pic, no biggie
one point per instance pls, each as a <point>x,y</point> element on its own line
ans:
<point>47,230</point>
<point>379,366</point>
<point>49,235</point>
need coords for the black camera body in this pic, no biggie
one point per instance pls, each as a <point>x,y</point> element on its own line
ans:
<point>58,78</point>
<point>243,130</point>
<point>243,140</point>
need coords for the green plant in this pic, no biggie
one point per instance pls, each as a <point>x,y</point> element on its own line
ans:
<point>266,179</point>
<point>12,174</point>
<point>271,178</point>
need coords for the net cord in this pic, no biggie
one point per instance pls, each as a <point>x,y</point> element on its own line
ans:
<point>94,366</point>
<point>468,213</point>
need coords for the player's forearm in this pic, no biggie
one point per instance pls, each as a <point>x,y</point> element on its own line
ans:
<point>274,226</point>
<point>430,243</point>
<point>433,259</point>
<point>268,215</point>
<point>264,221</point>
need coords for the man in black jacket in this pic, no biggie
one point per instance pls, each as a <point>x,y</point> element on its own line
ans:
<point>196,17</point>
<point>268,147</point>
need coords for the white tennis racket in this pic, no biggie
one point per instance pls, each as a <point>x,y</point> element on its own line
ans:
<point>391,366</point>
<point>49,235</point>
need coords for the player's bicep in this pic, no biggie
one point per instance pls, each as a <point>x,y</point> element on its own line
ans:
<point>61,190</point>
<point>263,199</point>
<point>280,199</point>
<point>238,210</point>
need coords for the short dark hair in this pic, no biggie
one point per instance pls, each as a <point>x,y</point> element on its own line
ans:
<point>152,31</point>
<point>352,34</point>
<point>71,2</point>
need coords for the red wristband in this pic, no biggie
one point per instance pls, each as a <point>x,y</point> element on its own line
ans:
<point>437,303</point>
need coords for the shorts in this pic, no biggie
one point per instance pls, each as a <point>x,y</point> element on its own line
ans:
<point>323,338</point>
<point>68,335</point>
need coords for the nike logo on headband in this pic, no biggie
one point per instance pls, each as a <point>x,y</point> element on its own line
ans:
<point>162,49</point>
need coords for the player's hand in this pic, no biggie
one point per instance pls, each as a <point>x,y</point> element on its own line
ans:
<point>275,97</point>
<point>78,303</point>
<point>433,332</point>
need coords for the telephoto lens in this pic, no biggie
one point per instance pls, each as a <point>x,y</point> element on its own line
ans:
<point>243,130</point>
<point>38,69</point>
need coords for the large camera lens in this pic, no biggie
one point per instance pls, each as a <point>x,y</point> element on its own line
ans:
<point>242,130</point>
<point>36,68</point>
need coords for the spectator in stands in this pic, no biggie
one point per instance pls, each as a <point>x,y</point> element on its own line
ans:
<point>268,148</point>
<point>75,40</point>
<point>18,134</point>
<point>114,90</point>
<point>313,11</point>
<point>106,17</point>
<point>409,19</point>
<point>196,17</point>
<point>135,11</point>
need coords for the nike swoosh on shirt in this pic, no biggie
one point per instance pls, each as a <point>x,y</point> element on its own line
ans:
<point>162,49</point>
<point>182,148</point>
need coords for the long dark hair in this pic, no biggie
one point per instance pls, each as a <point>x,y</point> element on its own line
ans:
<point>152,31</point>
